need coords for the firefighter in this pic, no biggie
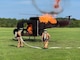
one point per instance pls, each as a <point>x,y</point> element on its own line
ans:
<point>20,26</point>
<point>45,38</point>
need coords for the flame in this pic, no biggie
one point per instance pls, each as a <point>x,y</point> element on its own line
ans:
<point>47,18</point>
<point>56,5</point>
<point>30,29</point>
<point>57,1</point>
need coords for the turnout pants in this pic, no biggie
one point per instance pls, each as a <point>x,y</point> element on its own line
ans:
<point>20,40</point>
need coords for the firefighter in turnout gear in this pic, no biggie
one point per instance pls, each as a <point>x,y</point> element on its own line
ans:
<point>20,26</point>
<point>45,38</point>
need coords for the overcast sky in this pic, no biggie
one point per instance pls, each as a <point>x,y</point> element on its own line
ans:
<point>24,8</point>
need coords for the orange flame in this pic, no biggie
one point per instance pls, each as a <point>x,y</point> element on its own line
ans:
<point>47,18</point>
<point>30,29</point>
<point>56,5</point>
<point>57,1</point>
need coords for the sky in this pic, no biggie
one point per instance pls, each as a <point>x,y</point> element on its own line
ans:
<point>25,9</point>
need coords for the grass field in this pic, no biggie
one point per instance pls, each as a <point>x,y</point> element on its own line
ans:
<point>60,37</point>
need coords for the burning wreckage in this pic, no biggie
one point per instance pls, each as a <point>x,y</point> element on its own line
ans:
<point>36,25</point>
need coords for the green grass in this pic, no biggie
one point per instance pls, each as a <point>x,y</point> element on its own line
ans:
<point>61,37</point>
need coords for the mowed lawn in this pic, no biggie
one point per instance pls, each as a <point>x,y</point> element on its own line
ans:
<point>60,37</point>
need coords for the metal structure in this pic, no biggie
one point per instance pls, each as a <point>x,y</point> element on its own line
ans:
<point>39,27</point>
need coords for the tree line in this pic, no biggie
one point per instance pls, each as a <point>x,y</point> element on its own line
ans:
<point>8,22</point>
